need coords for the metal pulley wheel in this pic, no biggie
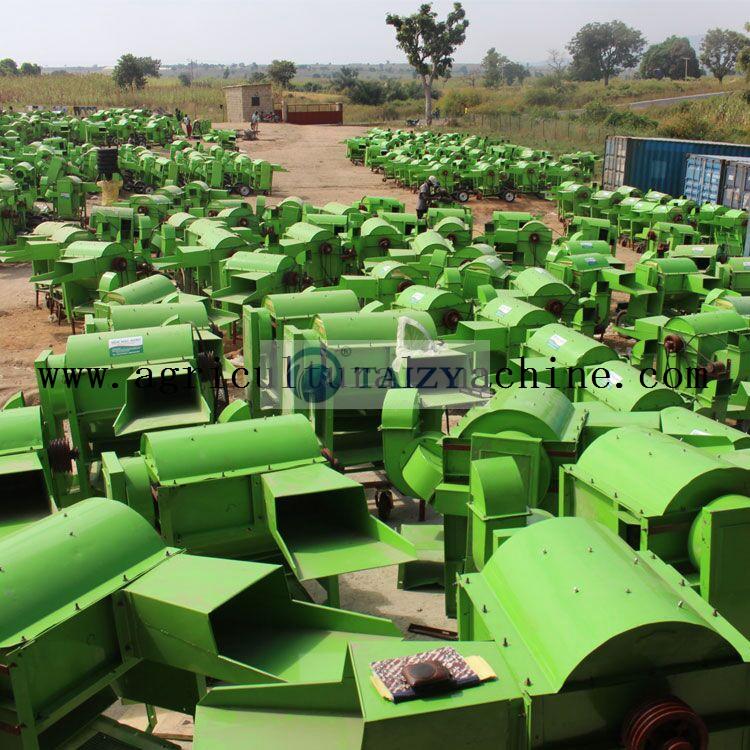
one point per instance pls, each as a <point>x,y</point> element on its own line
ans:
<point>555,306</point>
<point>664,724</point>
<point>290,278</point>
<point>384,503</point>
<point>673,344</point>
<point>714,370</point>
<point>119,264</point>
<point>451,319</point>
<point>204,365</point>
<point>61,455</point>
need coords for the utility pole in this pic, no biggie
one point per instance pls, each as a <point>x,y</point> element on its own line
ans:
<point>686,59</point>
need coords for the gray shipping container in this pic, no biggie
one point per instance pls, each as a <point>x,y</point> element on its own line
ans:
<point>657,163</point>
<point>737,185</point>
<point>715,179</point>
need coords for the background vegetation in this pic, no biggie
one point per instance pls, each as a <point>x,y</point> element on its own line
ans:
<point>574,100</point>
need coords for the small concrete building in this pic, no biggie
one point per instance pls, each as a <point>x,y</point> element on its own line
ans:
<point>244,98</point>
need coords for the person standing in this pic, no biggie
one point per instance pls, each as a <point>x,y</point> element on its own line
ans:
<point>188,125</point>
<point>427,191</point>
<point>255,121</point>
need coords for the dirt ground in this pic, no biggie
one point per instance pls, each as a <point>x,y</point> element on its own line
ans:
<point>319,173</point>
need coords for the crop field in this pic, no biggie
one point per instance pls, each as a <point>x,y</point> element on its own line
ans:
<point>535,110</point>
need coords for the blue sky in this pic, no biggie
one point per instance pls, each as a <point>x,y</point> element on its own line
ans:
<point>84,32</point>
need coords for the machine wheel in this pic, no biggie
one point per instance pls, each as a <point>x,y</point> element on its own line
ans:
<point>462,196</point>
<point>667,723</point>
<point>509,196</point>
<point>61,455</point>
<point>244,190</point>
<point>384,504</point>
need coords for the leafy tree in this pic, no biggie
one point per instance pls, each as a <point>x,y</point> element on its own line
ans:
<point>399,91</point>
<point>184,79</point>
<point>515,71</point>
<point>8,67</point>
<point>30,69</point>
<point>131,71</point>
<point>367,92</point>
<point>720,49</point>
<point>225,73</point>
<point>258,76</point>
<point>345,78</point>
<point>281,72</point>
<point>429,44</point>
<point>743,58</point>
<point>667,60</point>
<point>602,50</point>
<point>492,68</point>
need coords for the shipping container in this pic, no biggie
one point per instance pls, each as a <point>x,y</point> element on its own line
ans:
<point>736,192</point>
<point>703,178</point>
<point>656,163</point>
<point>716,179</point>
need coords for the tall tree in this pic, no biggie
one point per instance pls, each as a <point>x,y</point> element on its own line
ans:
<point>602,50</point>
<point>345,78</point>
<point>492,68</point>
<point>720,49</point>
<point>429,44</point>
<point>673,58</point>
<point>8,67</point>
<point>131,71</point>
<point>515,71</point>
<point>30,69</point>
<point>743,57</point>
<point>281,72</point>
<point>557,63</point>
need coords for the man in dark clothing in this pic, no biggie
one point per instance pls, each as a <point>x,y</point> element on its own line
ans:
<point>426,192</point>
